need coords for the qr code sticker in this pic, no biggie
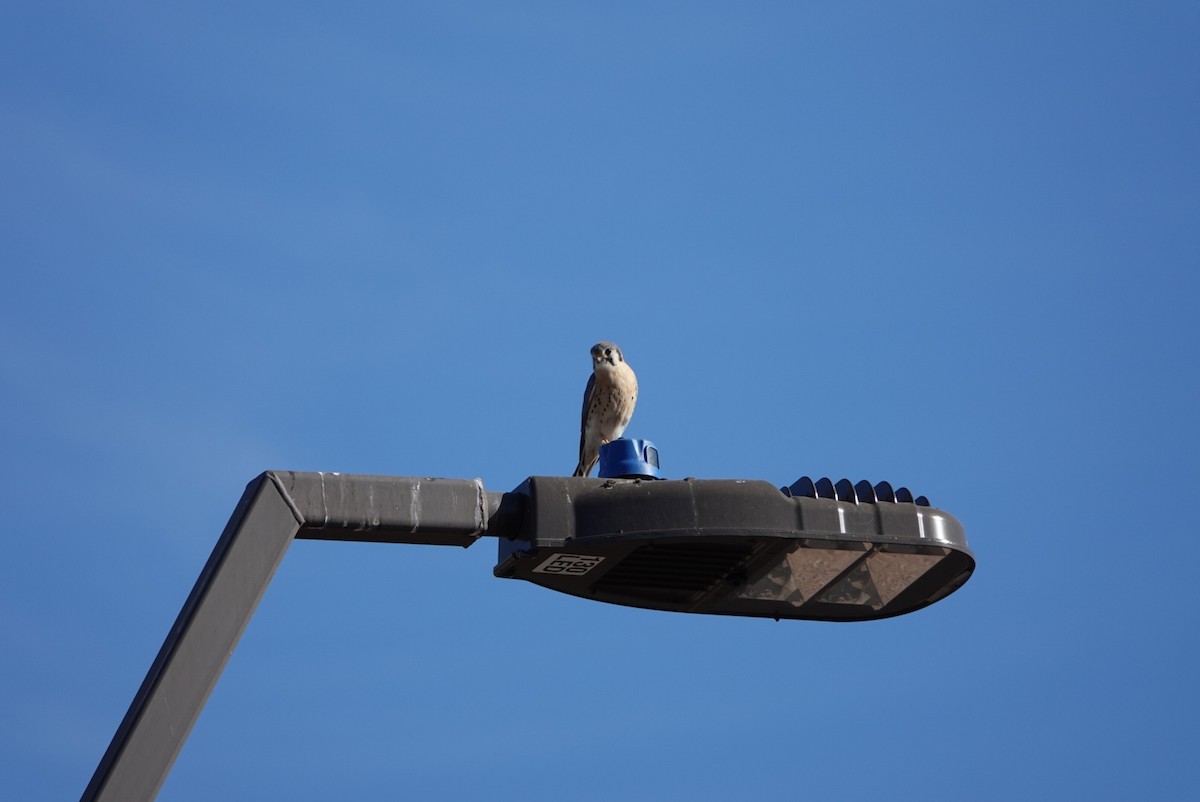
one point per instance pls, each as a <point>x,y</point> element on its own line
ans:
<point>568,564</point>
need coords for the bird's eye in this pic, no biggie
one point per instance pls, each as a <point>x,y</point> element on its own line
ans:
<point>608,352</point>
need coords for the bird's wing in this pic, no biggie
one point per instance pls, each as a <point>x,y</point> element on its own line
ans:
<point>587,402</point>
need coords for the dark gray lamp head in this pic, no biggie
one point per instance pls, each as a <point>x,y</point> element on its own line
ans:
<point>817,550</point>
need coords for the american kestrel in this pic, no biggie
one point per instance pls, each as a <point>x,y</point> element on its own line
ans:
<point>607,403</point>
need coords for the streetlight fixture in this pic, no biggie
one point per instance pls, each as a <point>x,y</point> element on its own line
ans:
<point>733,547</point>
<point>815,550</point>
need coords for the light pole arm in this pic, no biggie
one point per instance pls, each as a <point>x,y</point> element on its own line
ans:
<point>276,507</point>
<point>816,550</point>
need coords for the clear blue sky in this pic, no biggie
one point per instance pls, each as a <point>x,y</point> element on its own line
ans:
<point>949,245</point>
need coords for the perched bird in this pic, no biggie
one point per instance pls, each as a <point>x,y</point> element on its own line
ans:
<point>607,403</point>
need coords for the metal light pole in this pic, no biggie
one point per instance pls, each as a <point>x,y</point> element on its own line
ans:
<point>816,550</point>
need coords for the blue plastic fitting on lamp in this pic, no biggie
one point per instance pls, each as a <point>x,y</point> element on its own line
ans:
<point>629,459</point>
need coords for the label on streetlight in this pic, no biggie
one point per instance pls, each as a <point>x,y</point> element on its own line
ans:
<point>568,564</point>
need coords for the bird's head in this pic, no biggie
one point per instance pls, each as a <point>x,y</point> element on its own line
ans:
<point>606,354</point>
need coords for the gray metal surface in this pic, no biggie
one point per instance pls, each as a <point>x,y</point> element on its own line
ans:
<point>276,507</point>
<point>387,509</point>
<point>819,550</point>
<point>816,550</point>
<point>197,647</point>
